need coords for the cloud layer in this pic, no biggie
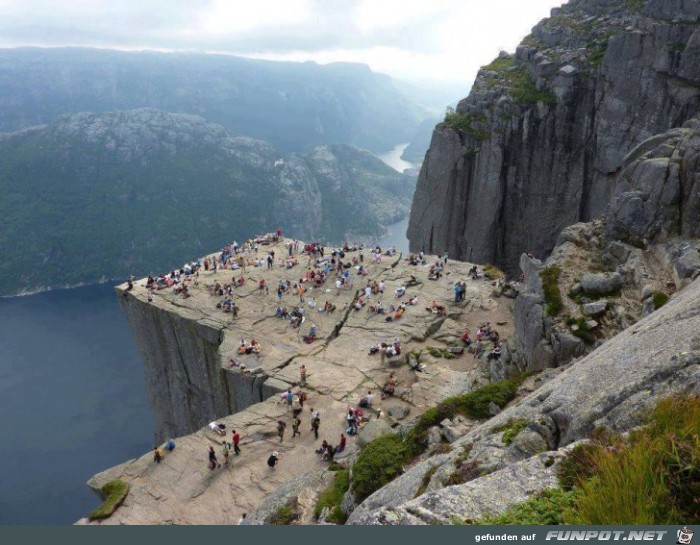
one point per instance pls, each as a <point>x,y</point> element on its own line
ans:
<point>439,40</point>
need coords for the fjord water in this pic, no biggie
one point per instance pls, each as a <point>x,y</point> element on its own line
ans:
<point>72,401</point>
<point>393,158</point>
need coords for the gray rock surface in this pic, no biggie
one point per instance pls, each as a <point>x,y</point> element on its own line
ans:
<point>542,151</point>
<point>601,283</point>
<point>374,429</point>
<point>658,192</point>
<point>613,387</point>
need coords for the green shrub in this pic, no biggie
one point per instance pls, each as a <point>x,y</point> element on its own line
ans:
<point>552,293</point>
<point>115,492</point>
<point>379,463</point>
<point>659,299</point>
<point>332,496</point>
<point>511,429</point>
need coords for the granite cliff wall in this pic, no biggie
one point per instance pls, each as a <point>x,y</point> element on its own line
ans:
<point>541,138</point>
<point>186,382</point>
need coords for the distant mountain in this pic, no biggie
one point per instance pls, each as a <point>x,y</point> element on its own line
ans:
<point>294,106</point>
<point>105,195</point>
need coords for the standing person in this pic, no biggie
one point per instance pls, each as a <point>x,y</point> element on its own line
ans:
<point>315,421</point>
<point>157,455</point>
<point>444,257</point>
<point>273,459</point>
<point>281,426</point>
<point>463,292</point>
<point>302,374</point>
<point>458,292</point>
<point>226,449</point>
<point>213,462</point>
<point>289,398</point>
<point>295,427</point>
<point>236,439</point>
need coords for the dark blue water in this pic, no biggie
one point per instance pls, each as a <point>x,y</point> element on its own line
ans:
<point>72,401</point>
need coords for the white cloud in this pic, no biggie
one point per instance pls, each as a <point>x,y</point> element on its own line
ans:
<point>225,16</point>
<point>442,40</point>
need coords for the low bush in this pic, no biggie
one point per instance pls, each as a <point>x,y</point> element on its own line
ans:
<point>378,463</point>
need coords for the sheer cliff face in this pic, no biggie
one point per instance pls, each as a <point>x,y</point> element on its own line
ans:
<point>540,140</point>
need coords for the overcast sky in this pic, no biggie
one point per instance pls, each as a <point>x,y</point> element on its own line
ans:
<point>440,40</point>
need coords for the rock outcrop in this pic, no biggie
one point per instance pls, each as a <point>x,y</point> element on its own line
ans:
<point>615,270</point>
<point>613,387</point>
<point>540,141</point>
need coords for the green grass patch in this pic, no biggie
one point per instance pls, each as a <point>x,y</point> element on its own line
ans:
<point>659,299</point>
<point>332,496</point>
<point>465,122</point>
<point>500,64</point>
<point>654,478</point>
<point>511,429</point>
<point>552,293</point>
<point>115,492</point>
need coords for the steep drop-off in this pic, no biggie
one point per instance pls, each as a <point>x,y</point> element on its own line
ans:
<point>539,143</point>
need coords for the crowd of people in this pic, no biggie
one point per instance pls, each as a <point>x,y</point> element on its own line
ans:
<point>310,290</point>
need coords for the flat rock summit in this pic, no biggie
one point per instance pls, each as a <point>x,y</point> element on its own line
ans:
<point>188,344</point>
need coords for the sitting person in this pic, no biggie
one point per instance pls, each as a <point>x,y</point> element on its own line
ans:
<point>400,292</point>
<point>366,401</point>
<point>465,338</point>
<point>473,272</point>
<point>389,386</point>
